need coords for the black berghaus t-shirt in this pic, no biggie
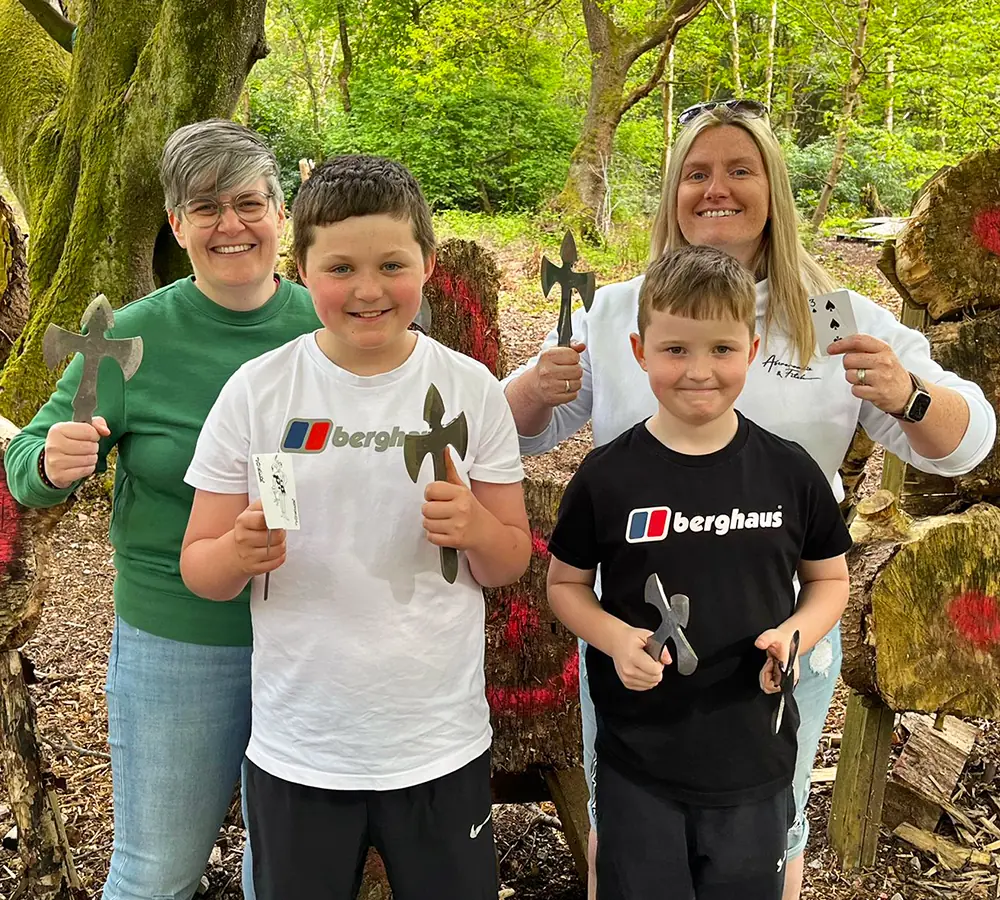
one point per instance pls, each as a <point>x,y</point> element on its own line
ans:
<point>728,530</point>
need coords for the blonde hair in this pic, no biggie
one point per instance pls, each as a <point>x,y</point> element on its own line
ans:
<point>792,274</point>
<point>698,283</point>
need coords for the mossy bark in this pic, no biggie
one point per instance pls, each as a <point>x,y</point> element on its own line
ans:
<point>13,280</point>
<point>613,50</point>
<point>80,138</point>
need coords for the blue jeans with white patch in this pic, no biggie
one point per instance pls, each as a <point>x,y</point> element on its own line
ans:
<point>817,679</point>
<point>178,726</point>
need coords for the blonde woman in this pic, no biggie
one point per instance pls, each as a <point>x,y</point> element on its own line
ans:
<point>727,187</point>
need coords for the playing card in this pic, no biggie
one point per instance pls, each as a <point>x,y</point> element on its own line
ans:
<point>277,489</point>
<point>833,318</point>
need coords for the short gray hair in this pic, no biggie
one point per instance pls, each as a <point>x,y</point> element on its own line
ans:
<point>214,157</point>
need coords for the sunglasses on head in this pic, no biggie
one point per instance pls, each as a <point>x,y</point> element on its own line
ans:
<point>746,109</point>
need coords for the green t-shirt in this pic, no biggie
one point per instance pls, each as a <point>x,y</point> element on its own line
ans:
<point>190,348</point>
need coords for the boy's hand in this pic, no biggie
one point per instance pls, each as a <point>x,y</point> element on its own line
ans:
<point>637,670</point>
<point>452,513</point>
<point>778,645</point>
<point>256,554</point>
<point>71,450</point>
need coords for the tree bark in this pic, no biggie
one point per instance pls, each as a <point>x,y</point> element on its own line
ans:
<point>13,280</point>
<point>890,71</point>
<point>344,76</point>
<point>80,140</point>
<point>971,348</point>
<point>772,32</point>
<point>734,47</point>
<point>922,629</point>
<point>613,52</point>
<point>48,872</point>
<point>668,112</point>
<point>947,258</point>
<point>857,74</point>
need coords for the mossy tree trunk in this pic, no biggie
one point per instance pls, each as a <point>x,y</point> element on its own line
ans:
<point>13,280</point>
<point>80,139</point>
<point>614,49</point>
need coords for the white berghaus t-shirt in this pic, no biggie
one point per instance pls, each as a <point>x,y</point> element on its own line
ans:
<point>367,664</point>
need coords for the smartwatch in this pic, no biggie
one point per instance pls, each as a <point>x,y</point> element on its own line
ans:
<point>917,405</point>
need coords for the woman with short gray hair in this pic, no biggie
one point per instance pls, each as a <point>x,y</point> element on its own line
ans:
<point>178,687</point>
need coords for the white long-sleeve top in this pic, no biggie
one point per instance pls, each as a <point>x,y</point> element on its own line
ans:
<point>813,407</point>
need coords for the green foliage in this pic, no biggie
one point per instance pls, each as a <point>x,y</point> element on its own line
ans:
<point>484,99</point>
<point>473,144</point>
<point>888,161</point>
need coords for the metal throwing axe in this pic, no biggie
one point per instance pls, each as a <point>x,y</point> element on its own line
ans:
<point>584,282</point>
<point>674,619</point>
<point>786,681</point>
<point>58,343</point>
<point>434,442</point>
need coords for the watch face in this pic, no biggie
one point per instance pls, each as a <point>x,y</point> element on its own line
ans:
<point>918,406</point>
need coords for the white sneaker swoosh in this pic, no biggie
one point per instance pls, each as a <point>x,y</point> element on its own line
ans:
<point>475,829</point>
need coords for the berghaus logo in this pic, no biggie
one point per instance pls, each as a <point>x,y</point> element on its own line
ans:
<point>315,435</point>
<point>654,523</point>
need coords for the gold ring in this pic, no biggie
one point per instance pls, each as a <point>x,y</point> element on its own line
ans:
<point>567,386</point>
<point>861,376</point>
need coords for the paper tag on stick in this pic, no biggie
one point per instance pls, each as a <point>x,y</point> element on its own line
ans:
<point>277,490</point>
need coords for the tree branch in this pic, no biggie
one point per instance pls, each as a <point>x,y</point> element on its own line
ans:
<point>56,25</point>
<point>835,41</point>
<point>646,89</point>
<point>673,20</point>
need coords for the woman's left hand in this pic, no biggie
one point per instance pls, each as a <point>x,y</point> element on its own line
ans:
<point>874,371</point>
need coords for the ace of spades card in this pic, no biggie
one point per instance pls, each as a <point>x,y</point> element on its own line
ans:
<point>833,318</point>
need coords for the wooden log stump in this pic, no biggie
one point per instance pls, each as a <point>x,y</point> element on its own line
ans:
<point>948,255</point>
<point>463,293</point>
<point>922,630</point>
<point>48,872</point>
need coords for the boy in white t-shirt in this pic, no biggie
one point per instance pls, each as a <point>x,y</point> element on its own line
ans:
<point>370,722</point>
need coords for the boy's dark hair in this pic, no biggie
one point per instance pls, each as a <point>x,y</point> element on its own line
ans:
<point>359,185</point>
<point>699,283</point>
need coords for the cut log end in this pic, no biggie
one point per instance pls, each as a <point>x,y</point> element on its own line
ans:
<point>922,629</point>
<point>948,255</point>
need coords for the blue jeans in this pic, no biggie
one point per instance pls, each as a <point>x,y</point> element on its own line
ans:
<point>818,676</point>
<point>178,725</point>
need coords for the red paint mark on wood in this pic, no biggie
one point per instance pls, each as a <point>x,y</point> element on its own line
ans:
<point>10,525</point>
<point>485,339</point>
<point>539,545</point>
<point>521,619</point>
<point>976,616</point>
<point>986,228</point>
<point>530,701</point>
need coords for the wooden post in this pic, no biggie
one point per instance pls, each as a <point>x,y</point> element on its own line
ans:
<point>858,792</point>
<point>569,791</point>
<point>856,811</point>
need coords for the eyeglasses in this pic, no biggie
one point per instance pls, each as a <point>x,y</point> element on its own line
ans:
<point>204,212</point>
<point>745,109</point>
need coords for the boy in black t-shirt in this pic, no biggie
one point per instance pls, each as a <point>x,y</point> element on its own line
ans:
<point>698,507</point>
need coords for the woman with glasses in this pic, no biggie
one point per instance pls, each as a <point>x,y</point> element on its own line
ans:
<point>178,686</point>
<point>727,187</point>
